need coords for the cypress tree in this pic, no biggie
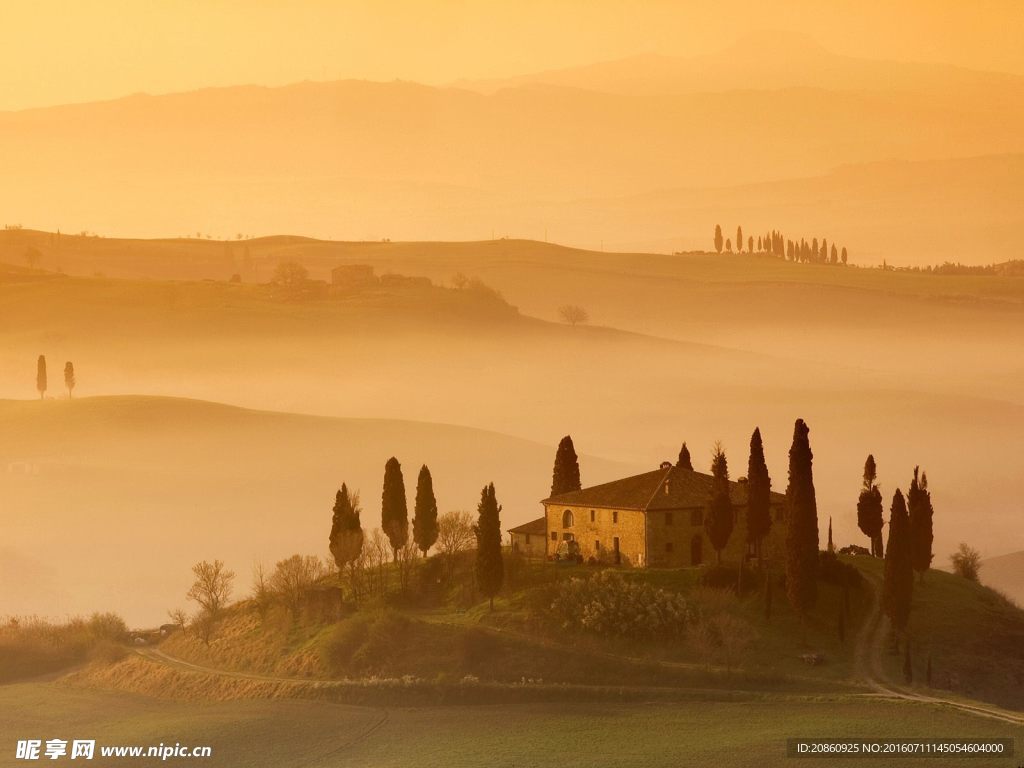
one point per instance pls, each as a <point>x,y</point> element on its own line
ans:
<point>802,529</point>
<point>920,503</point>
<point>566,475</point>
<point>831,546</point>
<point>898,584</point>
<point>69,377</point>
<point>41,376</point>
<point>718,238</point>
<point>759,502</point>
<point>684,458</point>
<point>869,508</point>
<point>719,520</point>
<point>490,570</point>
<point>394,511</point>
<point>424,521</point>
<point>843,257</point>
<point>750,244</point>
<point>346,540</point>
<point>739,239</point>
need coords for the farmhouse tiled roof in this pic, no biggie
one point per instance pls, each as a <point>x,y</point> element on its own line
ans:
<point>538,526</point>
<point>670,487</point>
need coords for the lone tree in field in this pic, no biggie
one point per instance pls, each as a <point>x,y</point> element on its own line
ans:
<point>684,459</point>
<point>718,522</point>
<point>394,510</point>
<point>490,570</point>
<point>719,242</point>
<point>898,584</point>
<point>41,376</point>
<point>573,315</point>
<point>424,520</point>
<point>869,508</point>
<point>69,377</point>
<point>759,490</point>
<point>802,531</point>
<point>966,562</point>
<point>566,475</point>
<point>920,508</point>
<point>346,540</point>
<point>212,587</point>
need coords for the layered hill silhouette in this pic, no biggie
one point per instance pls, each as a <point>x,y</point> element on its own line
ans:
<point>399,160</point>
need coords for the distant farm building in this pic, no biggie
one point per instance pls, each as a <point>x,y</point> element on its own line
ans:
<point>530,539</point>
<point>353,276</point>
<point>653,519</point>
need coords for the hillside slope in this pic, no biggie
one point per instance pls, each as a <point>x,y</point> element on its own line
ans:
<point>1005,573</point>
<point>140,488</point>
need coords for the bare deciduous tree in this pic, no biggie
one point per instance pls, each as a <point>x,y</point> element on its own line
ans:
<point>454,535</point>
<point>573,315</point>
<point>179,616</point>
<point>212,587</point>
<point>293,576</point>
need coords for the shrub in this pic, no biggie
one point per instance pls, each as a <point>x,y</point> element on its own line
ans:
<point>832,570</point>
<point>966,562</point>
<point>366,644</point>
<point>607,604</point>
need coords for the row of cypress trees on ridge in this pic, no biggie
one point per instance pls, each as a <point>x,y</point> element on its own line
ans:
<point>347,537</point>
<point>775,244</point>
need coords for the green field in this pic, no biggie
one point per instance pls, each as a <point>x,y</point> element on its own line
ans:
<point>310,734</point>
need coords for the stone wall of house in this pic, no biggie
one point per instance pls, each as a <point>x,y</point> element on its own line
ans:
<point>530,545</point>
<point>595,530</point>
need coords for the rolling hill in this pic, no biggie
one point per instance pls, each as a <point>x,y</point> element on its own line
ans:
<point>1005,573</point>
<point>133,490</point>
<point>399,160</point>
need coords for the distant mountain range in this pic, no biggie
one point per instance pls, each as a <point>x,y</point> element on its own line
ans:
<point>584,156</point>
<point>1005,573</point>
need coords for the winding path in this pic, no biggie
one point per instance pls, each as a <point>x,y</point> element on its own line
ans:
<point>869,667</point>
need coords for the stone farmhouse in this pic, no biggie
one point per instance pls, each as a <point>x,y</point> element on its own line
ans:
<point>652,519</point>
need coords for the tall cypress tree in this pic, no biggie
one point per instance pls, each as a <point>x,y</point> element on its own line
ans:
<point>739,239</point>
<point>684,458</point>
<point>424,521</point>
<point>920,508</point>
<point>718,238</point>
<point>718,522</point>
<point>566,475</point>
<point>394,510</point>
<point>898,583</point>
<point>869,508</point>
<point>69,377</point>
<point>802,528</point>
<point>346,540</point>
<point>41,376</point>
<point>490,569</point>
<point>759,501</point>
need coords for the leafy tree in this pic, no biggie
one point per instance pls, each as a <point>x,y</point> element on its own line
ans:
<point>424,521</point>
<point>490,569</point>
<point>966,562</point>
<point>869,508</point>
<point>739,239</point>
<point>573,315</point>
<point>69,377</point>
<point>759,501</point>
<point>33,256</point>
<point>802,530</point>
<point>718,522</point>
<point>290,275</point>
<point>293,576</point>
<point>898,584</point>
<point>212,587</point>
<point>728,245</point>
<point>920,505</point>
<point>718,238</point>
<point>684,458</point>
<point>566,474</point>
<point>394,511</point>
<point>346,540</point>
<point>41,376</point>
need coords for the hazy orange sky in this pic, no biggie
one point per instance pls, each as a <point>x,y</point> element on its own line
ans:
<point>59,51</point>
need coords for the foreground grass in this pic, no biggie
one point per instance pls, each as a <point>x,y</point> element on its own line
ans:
<point>317,733</point>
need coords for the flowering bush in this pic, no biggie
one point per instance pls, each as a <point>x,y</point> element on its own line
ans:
<point>608,604</point>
